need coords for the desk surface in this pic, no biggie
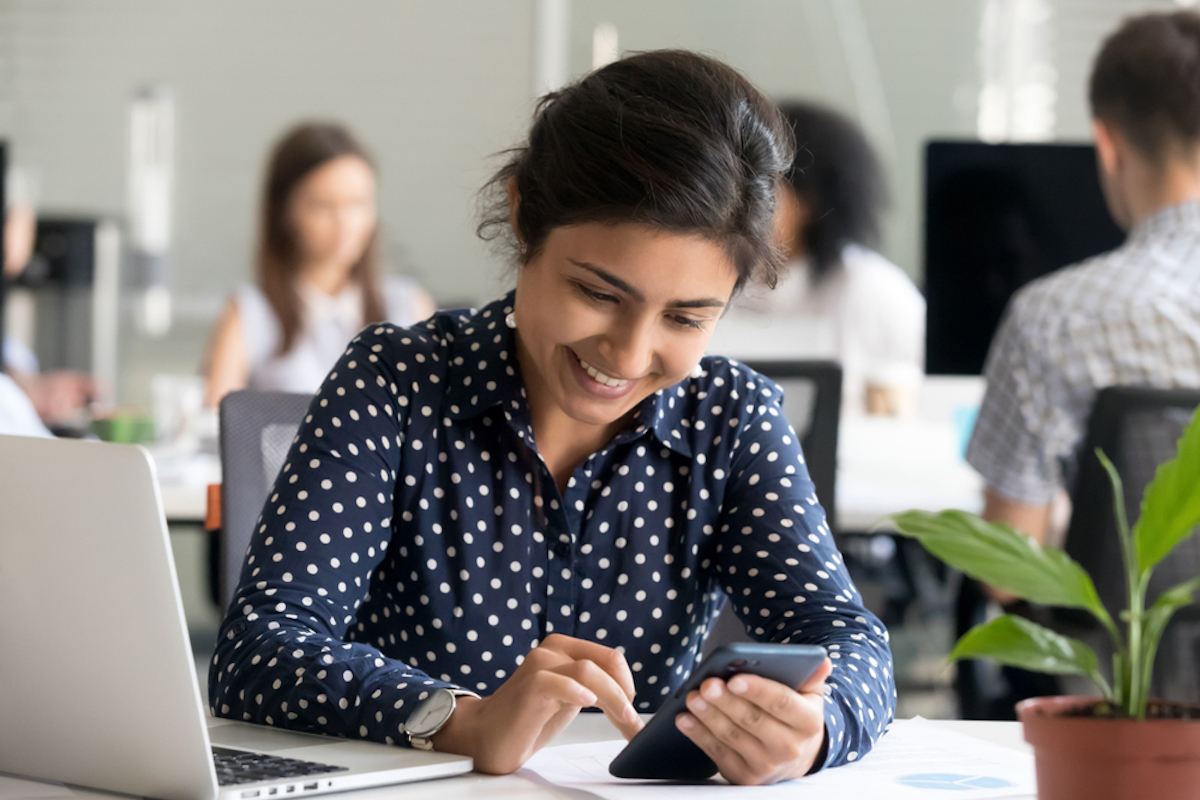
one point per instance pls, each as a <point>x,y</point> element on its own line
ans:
<point>585,728</point>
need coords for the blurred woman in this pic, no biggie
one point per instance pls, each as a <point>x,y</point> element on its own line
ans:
<point>318,271</point>
<point>837,298</point>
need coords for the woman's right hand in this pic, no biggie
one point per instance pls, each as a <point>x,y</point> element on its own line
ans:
<point>557,679</point>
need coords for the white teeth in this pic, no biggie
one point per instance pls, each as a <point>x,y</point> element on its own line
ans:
<point>599,376</point>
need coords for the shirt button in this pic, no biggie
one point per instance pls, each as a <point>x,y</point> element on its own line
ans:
<point>562,549</point>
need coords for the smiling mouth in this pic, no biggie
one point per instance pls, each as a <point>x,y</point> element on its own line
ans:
<point>600,377</point>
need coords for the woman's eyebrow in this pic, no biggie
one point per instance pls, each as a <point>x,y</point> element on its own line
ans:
<point>613,280</point>
<point>609,278</point>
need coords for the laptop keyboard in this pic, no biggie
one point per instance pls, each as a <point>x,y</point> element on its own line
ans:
<point>239,766</point>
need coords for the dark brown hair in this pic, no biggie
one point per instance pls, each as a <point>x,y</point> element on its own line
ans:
<point>301,150</point>
<point>1146,82</point>
<point>837,174</point>
<point>670,139</point>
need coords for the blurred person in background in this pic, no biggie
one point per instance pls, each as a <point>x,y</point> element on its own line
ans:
<point>58,396</point>
<point>318,271</point>
<point>837,298</point>
<point>1128,317</point>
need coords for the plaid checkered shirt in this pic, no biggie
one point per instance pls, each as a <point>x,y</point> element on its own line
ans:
<point>1127,317</point>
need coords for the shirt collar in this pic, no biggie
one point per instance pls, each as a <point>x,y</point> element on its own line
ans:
<point>1166,222</point>
<point>483,373</point>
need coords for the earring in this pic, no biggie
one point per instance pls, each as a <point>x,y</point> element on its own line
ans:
<point>697,371</point>
<point>511,320</point>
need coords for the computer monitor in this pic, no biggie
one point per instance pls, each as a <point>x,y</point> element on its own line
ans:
<point>996,217</point>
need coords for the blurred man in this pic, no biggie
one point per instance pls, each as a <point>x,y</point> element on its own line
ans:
<point>1130,316</point>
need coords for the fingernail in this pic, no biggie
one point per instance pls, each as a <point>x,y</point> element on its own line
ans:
<point>712,691</point>
<point>738,685</point>
<point>697,704</point>
<point>686,722</point>
<point>630,714</point>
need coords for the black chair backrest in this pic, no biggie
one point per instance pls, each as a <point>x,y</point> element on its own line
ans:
<point>256,431</point>
<point>812,401</point>
<point>1138,428</point>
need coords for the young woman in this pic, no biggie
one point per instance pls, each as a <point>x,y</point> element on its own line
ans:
<point>497,518</point>
<point>318,271</point>
<point>837,298</point>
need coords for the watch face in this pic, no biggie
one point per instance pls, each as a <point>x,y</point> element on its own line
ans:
<point>431,714</point>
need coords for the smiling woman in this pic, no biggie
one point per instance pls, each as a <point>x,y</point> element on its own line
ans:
<point>497,518</point>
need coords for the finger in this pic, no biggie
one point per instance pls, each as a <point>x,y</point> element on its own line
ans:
<point>816,681</point>
<point>777,699</point>
<point>555,687</point>
<point>609,659</point>
<point>610,695</point>
<point>739,725</point>
<point>730,762</point>
<point>782,719</point>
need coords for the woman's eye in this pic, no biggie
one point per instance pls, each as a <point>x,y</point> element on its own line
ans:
<point>688,322</point>
<point>594,295</point>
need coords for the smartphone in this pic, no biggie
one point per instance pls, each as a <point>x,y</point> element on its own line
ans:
<point>660,750</point>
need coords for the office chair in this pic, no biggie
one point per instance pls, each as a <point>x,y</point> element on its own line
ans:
<point>256,430</point>
<point>1137,428</point>
<point>812,402</point>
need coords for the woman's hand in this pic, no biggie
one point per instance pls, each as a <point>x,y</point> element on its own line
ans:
<point>556,680</point>
<point>756,730</point>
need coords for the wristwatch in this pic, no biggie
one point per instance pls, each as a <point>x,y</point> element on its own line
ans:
<point>431,715</point>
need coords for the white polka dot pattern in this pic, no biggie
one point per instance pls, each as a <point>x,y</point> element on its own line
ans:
<point>414,539</point>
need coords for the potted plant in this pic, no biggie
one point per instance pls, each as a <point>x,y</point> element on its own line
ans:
<point>1122,744</point>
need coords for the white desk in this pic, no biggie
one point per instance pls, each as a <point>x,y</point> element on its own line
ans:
<point>183,480</point>
<point>887,465</point>
<point>585,728</point>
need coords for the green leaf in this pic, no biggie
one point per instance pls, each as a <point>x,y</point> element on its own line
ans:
<point>996,554</point>
<point>1160,614</point>
<point>1171,504</point>
<point>1017,642</point>
<point>1155,622</point>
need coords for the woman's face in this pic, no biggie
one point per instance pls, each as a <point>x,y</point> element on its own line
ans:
<point>332,212</point>
<point>609,314</point>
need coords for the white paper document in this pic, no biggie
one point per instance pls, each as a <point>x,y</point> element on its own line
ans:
<point>915,759</point>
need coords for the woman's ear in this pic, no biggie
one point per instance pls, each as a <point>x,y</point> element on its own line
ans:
<point>514,206</point>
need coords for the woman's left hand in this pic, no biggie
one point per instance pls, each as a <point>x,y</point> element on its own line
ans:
<point>756,730</point>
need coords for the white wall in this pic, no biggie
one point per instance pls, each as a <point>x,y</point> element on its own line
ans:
<point>434,87</point>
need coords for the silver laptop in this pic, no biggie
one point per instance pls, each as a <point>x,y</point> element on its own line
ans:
<point>97,680</point>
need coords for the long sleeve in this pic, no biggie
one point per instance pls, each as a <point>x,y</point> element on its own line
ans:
<point>283,655</point>
<point>784,576</point>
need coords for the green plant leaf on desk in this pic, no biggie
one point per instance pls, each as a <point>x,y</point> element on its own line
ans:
<point>1018,642</point>
<point>997,555</point>
<point>1160,614</point>
<point>1171,504</point>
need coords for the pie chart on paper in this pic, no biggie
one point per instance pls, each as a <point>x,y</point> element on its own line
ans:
<point>952,782</point>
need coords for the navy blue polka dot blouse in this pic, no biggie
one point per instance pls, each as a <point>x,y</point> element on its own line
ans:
<point>414,539</point>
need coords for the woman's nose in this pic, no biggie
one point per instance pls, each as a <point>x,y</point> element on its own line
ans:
<point>630,348</point>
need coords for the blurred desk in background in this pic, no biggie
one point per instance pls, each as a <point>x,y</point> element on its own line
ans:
<point>887,465</point>
<point>183,479</point>
<point>891,464</point>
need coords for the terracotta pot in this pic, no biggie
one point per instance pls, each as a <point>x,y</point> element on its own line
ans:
<point>1081,758</point>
